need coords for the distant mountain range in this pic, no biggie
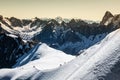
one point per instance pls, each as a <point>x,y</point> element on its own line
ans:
<point>72,36</point>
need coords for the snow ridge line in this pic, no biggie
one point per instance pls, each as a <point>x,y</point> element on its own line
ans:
<point>88,58</point>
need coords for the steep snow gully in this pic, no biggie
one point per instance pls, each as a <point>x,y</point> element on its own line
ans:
<point>96,63</point>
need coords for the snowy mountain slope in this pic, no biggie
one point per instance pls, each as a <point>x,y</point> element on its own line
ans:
<point>46,59</point>
<point>49,58</point>
<point>43,53</point>
<point>93,64</point>
<point>101,63</point>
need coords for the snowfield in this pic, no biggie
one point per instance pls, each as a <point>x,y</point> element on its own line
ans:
<point>40,58</point>
<point>45,63</point>
<point>43,57</point>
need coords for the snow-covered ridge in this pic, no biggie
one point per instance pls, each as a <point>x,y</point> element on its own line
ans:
<point>42,53</point>
<point>93,64</point>
<point>41,58</point>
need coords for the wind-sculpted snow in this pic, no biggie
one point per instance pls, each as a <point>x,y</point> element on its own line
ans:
<point>98,62</point>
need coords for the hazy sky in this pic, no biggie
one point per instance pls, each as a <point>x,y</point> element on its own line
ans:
<point>84,9</point>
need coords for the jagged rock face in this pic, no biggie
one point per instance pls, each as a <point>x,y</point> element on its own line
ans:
<point>1,17</point>
<point>107,17</point>
<point>26,22</point>
<point>11,48</point>
<point>112,22</point>
<point>1,30</point>
<point>15,22</point>
<point>116,21</point>
<point>73,36</point>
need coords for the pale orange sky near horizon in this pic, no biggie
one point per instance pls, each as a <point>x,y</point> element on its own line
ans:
<point>83,9</point>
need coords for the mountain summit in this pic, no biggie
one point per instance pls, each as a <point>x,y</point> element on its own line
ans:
<point>107,18</point>
<point>111,20</point>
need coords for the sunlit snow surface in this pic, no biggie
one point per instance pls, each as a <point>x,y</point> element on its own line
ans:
<point>40,58</point>
<point>94,62</point>
<point>90,65</point>
<point>43,57</point>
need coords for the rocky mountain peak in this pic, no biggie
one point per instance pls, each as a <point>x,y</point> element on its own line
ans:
<point>1,17</point>
<point>116,18</point>
<point>11,48</point>
<point>106,18</point>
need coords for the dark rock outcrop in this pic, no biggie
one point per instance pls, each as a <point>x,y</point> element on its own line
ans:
<point>11,48</point>
<point>111,22</point>
<point>26,22</point>
<point>15,22</point>
<point>106,18</point>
